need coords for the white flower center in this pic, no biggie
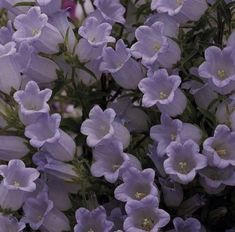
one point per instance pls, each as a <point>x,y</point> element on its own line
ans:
<point>147,224</point>
<point>139,195</point>
<point>115,167</point>
<point>35,32</point>
<point>16,184</point>
<point>163,95</point>
<point>221,152</point>
<point>183,167</point>
<point>222,74</point>
<point>90,230</point>
<point>156,46</point>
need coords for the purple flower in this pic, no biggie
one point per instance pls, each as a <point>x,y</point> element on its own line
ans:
<point>56,168</point>
<point>10,73</point>
<point>134,118</point>
<point>6,33</point>
<point>126,71</point>
<point>45,129</point>
<point>183,10</point>
<point>173,130</point>
<point>35,67</point>
<point>9,223</point>
<point>189,225</point>
<point>101,125</point>
<point>111,11</point>
<point>62,149</point>
<point>219,69</point>
<point>17,177</point>
<point>137,185</point>
<point>214,179</point>
<point>32,102</point>
<point>59,192</point>
<point>109,160</point>
<point>152,44</point>
<point>171,27</point>
<point>183,161</point>
<point>40,214</point>
<point>33,27</point>
<point>96,33</point>
<point>172,192</point>
<point>145,215</point>
<point>12,147</point>
<point>162,90</point>
<point>95,220</point>
<point>219,149</point>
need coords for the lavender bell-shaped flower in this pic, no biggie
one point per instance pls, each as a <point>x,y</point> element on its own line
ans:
<point>137,185</point>
<point>62,149</point>
<point>183,10</point>
<point>34,28</point>
<point>214,179</point>
<point>49,165</point>
<point>40,213</point>
<point>188,225</point>
<point>12,147</point>
<point>45,129</point>
<point>17,181</point>
<point>219,69</point>
<point>183,161</point>
<point>32,102</point>
<point>219,149</point>
<point>172,192</point>
<point>109,160</point>
<point>95,220</point>
<point>134,118</point>
<point>162,90</point>
<point>112,11</point>
<point>6,33</point>
<point>145,215</point>
<point>173,130</point>
<point>10,73</point>
<point>10,223</point>
<point>96,33</point>
<point>125,70</point>
<point>35,67</point>
<point>152,45</point>
<point>101,125</point>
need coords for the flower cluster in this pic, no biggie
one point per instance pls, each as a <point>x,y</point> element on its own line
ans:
<point>117,115</point>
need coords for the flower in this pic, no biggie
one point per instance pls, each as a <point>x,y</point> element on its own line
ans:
<point>173,130</point>
<point>12,147</point>
<point>172,192</point>
<point>10,73</point>
<point>219,69</point>
<point>152,45</point>
<point>40,213</point>
<point>162,90</point>
<point>17,177</point>
<point>145,215</point>
<point>111,11</point>
<point>189,225</point>
<point>137,185</point>
<point>96,33</point>
<point>125,70</point>
<point>95,220</point>
<point>101,125</point>
<point>183,161</point>
<point>32,102</point>
<point>8,223</point>
<point>214,179</point>
<point>45,129</point>
<point>34,27</point>
<point>183,10</point>
<point>109,160</point>
<point>219,149</point>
